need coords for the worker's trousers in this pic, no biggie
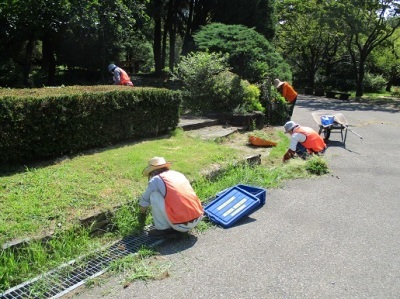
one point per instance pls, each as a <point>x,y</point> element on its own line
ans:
<point>160,216</point>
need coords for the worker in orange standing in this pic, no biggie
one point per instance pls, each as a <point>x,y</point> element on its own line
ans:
<point>288,92</point>
<point>303,141</point>
<point>174,204</point>
<point>120,77</point>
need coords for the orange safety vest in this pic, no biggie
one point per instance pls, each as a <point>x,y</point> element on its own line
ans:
<point>125,80</point>
<point>314,142</point>
<point>181,202</point>
<point>288,92</point>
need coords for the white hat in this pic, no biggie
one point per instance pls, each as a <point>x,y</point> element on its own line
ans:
<point>278,83</point>
<point>155,163</point>
<point>290,125</point>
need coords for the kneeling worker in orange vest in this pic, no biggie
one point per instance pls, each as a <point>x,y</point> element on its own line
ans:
<point>303,141</point>
<point>120,77</point>
<point>174,204</point>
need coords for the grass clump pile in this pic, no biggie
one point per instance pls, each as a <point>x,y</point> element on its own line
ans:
<point>147,264</point>
<point>317,165</point>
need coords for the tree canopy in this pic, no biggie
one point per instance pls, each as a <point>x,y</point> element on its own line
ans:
<point>317,35</point>
<point>325,42</point>
<point>250,54</point>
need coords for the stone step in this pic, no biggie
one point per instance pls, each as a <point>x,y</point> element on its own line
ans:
<point>213,132</point>
<point>188,123</point>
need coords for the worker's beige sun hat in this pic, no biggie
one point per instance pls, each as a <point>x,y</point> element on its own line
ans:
<point>155,163</point>
<point>278,83</point>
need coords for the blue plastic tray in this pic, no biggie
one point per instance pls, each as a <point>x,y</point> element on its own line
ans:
<point>260,193</point>
<point>230,206</point>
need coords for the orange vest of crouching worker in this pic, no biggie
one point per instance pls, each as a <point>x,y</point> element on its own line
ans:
<point>181,202</point>
<point>314,142</point>
<point>125,80</point>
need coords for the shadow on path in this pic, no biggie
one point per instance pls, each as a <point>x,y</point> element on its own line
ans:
<point>320,103</point>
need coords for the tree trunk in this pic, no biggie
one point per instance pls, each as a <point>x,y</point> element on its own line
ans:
<point>172,34</point>
<point>48,60</point>
<point>200,13</point>
<point>188,44</point>
<point>164,48</point>
<point>360,77</point>
<point>28,61</point>
<point>389,85</point>
<point>157,38</point>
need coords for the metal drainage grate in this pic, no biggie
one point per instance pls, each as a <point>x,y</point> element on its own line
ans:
<point>67,277</point>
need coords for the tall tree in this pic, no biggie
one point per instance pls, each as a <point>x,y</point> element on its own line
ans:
<point>366,24</point>
<point>33,21</point>
<point>258,14</point>
<point>57,28</point>
<point>306,40</point>
<point>386,60</point>
<point>198,14</point>
<point>156,10</point>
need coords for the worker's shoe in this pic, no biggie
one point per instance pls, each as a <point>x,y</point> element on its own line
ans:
<point>161,233</point>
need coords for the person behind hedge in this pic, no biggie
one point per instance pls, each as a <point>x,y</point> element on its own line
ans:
<point>120,77</point>
<point>174,204</point>
<point>288,92</point>
<point>303,141</point>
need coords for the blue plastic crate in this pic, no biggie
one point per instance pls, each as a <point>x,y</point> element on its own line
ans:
<point>260,193</point>
<point>230,206</point>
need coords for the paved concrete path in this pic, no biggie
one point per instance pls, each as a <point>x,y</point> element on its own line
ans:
<point>336,236</point>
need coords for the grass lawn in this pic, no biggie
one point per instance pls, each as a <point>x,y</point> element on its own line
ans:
<point>52,197</point>
<point>41,199</point>
<point>36,200</point>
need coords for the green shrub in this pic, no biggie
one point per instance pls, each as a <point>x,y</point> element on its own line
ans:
<point>227,92</point>
<point>209,85</point>
<point>374,83</point>
<point>47,123</point>
<point>198,72</point>
<point>396,92</point>
<point>317,165</point>
<point>276,107</point>
<point>250,54</point>
<point>252,97</point>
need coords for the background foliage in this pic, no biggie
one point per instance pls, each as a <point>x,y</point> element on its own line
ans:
<point>330,44</point>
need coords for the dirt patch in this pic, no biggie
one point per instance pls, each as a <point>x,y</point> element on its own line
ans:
<point>240,141</point>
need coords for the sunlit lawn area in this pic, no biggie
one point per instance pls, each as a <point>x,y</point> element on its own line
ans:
<point>37,200</point>
<point>53,197</point>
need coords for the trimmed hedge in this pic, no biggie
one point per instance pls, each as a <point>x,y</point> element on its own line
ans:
<point>52,122</point>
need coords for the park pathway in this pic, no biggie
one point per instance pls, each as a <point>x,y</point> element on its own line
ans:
<point>336,236</point>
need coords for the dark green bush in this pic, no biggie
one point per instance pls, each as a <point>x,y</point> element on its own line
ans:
<point>374,83</point>
<point>250,54</point>
<point>396,92</point>
<point>46,123</point>
<point>209,86</point>
<point>276,107</point>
